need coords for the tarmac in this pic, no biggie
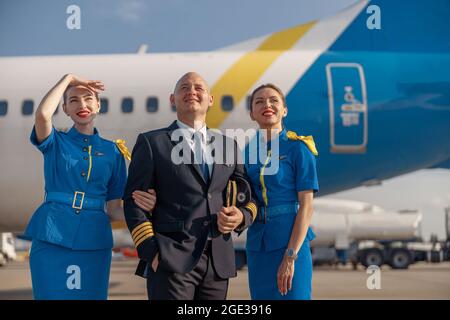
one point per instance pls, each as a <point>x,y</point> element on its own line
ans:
<point>421,281</point>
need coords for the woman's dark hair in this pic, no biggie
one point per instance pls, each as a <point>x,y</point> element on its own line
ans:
<point>271,86</point>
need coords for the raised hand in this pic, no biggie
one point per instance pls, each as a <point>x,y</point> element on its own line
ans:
<point>94,85</point>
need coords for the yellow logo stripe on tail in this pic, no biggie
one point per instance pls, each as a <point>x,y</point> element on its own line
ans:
<point>244,73</point>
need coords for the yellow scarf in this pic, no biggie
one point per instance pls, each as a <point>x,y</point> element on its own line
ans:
<point>308,140</point>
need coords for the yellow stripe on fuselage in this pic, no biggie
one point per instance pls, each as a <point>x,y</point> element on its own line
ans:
<point>244,73</point>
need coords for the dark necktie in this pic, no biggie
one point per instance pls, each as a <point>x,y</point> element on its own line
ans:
<point>200,160</point>
<point>200,156</point>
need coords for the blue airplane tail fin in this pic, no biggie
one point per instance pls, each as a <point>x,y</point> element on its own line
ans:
<point>399,26</point>
<point>442,165</point>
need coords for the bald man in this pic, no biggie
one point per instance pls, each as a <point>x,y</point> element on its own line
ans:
<point>185,245</point>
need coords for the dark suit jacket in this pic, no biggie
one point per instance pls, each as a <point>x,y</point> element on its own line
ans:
<point>186,206</point>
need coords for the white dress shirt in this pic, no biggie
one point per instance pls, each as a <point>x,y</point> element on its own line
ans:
<point>188,134</point>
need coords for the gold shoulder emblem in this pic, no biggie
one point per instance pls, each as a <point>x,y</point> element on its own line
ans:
<point>123,148</point>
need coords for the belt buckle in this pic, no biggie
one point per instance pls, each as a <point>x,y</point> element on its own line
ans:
<point>75,199</point>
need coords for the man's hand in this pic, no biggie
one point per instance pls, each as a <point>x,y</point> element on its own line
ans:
<point>229,218</point>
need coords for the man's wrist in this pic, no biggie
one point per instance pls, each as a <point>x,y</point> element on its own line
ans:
<point>242,218</point>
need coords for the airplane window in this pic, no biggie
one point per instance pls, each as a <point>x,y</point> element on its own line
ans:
<point>127,105</point>
<point>104,103</point>
<point>248,102</point>
<point>152,104</point>
<point>227,103</point>
<point>3,108</point>
<point>174,108</point>
<point>27,107</point>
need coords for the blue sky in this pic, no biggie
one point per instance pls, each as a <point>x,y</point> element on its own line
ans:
<point>30,27</point>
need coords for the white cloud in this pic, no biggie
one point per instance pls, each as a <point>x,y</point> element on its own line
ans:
<point>130,11</point>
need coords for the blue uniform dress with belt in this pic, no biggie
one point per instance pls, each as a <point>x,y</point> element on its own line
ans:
<point>71,233</point>
<point>277,194</point>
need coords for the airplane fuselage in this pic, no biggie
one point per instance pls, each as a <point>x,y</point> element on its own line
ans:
<point>376,101</point>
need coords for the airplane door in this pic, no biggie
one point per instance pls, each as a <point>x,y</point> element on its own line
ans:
<point>348,107</point>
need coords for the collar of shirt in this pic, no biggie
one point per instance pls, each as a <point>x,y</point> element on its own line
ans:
<point>188,132</point>
<point>283,134</point>
<point>86,138</point>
